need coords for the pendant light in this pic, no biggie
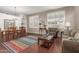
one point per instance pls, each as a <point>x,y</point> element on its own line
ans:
<point>14,16</point>
<point>15,10</point>
<point>15,13</point>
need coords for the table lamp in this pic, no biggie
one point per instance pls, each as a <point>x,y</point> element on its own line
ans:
<point>68,27</point>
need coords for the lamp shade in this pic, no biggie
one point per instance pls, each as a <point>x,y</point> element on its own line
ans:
<point>67,24</point>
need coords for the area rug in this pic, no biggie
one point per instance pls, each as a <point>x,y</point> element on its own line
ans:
<point>33,37</point>
<point>20,44</point>
<point>3,49</point>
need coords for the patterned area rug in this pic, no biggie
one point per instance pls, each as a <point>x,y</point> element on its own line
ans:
<point>20,44</point>
<point>33,37</point>
<point>3,49</point>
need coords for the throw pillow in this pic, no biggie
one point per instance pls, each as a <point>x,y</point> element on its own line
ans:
<point>76,35</point>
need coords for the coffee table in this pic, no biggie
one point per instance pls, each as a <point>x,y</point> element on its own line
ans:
<point>45,41</point>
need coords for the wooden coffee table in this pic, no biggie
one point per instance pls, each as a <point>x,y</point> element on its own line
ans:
<point>45,42</point>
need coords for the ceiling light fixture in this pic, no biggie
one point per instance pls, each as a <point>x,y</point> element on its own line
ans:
<point>15,13</point>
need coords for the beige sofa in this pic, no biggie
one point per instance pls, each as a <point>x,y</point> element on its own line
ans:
<point>71,44</point>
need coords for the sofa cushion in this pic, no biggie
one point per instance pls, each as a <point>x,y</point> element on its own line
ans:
<point>76,35</point>
<point>72,33</point>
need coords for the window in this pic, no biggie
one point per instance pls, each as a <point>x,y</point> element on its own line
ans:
<point>34,24</point>
<point>18,23</point>
<point>2,24</point>
<point>4,17</point>
<point>56,19</point>
<point>34,21</point>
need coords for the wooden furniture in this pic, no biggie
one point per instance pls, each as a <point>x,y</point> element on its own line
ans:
<point>13,33</point>
<point>0,36</point>
<point>42,28</point>
<point>5,36</point>
<point>47,41</point>
<point>44,42</point>
<point>23,31</point>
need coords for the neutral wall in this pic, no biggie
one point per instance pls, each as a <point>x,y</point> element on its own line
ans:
<point>70,16</point>
<point>76,17</point>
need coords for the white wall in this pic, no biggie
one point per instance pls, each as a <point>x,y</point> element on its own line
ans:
<point>76,19</point>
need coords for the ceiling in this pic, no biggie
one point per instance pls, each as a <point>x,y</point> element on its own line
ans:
<point>26,9</point>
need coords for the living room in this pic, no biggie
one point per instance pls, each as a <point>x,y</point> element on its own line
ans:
<point>23,27</point>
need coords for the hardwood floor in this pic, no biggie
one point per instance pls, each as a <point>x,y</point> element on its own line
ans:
<point>56,48</point>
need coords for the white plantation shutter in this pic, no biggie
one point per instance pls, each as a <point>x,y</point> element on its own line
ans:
<point>34,21</point>
<point>34,24</point>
